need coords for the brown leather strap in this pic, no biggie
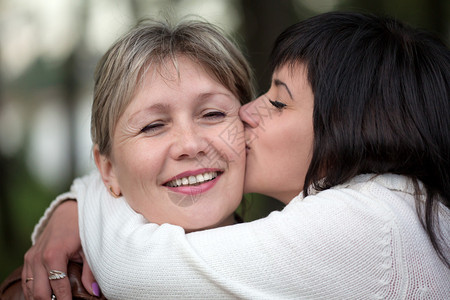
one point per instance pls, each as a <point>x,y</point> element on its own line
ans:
<point>11,287</point>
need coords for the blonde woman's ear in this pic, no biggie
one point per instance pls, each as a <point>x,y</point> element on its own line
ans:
<point>107,171</point>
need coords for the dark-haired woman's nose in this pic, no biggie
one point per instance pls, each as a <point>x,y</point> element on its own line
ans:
<point>249,114</point>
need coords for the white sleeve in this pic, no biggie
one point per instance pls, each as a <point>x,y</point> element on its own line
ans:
<point>304,251</point>
<point>40,226</point>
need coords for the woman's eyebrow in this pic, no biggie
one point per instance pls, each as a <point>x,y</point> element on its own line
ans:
<point>278,82</point>
<point>155,108</point>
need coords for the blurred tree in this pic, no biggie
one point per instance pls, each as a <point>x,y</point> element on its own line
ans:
<point>7,234</point>
<point>262,22</point>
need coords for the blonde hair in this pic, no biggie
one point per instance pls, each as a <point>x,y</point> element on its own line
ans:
<point>151,44</point>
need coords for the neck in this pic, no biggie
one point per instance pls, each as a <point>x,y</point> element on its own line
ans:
<point>230,220</point>
<point>227,221</point>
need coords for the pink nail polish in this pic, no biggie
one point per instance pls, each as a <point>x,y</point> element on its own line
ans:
<point>96,289</point>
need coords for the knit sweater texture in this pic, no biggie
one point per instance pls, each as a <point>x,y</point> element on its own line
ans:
<point>359,240</point>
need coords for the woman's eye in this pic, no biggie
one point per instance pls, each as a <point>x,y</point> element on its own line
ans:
<point>277,104</point>
<point>214,115</point>
<point>152,127</point>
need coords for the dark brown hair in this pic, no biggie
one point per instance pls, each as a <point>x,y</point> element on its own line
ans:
<point>381,104</point>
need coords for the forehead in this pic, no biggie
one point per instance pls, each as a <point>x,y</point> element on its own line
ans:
<point>291,70</point>
<point>172,70</point>
<point>293,77</point>
<point>178,84</point>
<point>180,72</point>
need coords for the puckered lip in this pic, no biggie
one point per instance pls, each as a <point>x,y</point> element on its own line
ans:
<point>247,146</point>
<point>193,173</point>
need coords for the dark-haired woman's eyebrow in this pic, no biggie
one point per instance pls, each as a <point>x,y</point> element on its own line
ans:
<point>278,83</point>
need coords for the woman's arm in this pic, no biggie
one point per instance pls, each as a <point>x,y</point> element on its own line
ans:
<point>303,251</point>
<point>56,244</point>
<point>55,241</point>
<point>44,220</point>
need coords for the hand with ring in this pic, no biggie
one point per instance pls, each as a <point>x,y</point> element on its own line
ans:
<point>44,273</point>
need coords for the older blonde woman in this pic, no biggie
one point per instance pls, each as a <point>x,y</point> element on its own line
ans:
<point>166,100</point>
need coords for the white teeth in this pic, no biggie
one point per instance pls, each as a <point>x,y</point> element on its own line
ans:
<point>199,178</point>
<point>192,180</point>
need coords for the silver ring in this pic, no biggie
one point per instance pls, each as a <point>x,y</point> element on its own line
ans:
<point>53,297</point>
<point>55,274</point>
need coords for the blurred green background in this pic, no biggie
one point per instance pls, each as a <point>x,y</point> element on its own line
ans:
<point>48,51</point>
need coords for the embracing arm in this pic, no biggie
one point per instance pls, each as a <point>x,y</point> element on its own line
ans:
<point>302,251</point>
<point>55,241</point>
<point>44,220</point>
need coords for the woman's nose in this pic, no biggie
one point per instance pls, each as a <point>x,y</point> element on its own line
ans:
<point>188,143</point>
<point>249,114</point>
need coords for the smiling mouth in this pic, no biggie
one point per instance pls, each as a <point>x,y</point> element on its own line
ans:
<point>193,180</point>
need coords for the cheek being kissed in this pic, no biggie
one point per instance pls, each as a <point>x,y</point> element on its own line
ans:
<point>172,157</point>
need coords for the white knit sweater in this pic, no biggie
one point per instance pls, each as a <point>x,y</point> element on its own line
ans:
<point>361,240</point>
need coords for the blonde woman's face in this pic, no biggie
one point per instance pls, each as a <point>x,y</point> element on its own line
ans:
<point>178,153</point>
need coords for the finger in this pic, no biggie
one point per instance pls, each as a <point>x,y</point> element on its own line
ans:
<point>89,282</point>
<point>59,282</point>
<point>26,278</point>
<point>40,286</point>
<point>54,258</point>
<point>34,279</point>
<point>27,287</point>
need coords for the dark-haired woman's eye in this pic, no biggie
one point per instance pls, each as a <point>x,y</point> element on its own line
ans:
<point>277,104</point>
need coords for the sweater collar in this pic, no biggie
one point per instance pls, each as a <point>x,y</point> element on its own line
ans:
<point>392,182</point>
